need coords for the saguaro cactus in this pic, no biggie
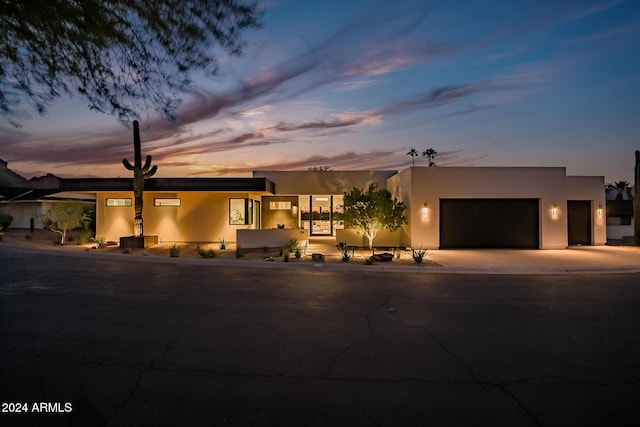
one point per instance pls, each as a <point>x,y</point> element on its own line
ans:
<point>140,173</point>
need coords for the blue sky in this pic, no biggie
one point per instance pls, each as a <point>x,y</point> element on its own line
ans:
<point>357,84</point>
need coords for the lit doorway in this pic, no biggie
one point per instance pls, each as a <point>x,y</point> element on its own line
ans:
<point>321,214</point>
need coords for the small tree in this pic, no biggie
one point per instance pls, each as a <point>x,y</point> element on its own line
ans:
<point>5,220</point>
<point>62,217</point>
<point>373,210</point>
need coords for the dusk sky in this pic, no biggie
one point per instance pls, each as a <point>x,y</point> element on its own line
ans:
<point>354,85</point>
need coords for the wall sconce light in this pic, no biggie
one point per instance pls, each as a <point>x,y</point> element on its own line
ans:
<point>599,210</point>
<point>425,208</point>
<point>294,209</point>
<point>554,211</point>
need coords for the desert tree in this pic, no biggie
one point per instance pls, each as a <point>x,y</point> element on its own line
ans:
<point>121,56</point>
<point>63,216</point>
<point>621,188</point>
<point>372,210</point>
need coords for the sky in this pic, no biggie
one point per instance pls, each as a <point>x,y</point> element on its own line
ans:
<point>355,85</point>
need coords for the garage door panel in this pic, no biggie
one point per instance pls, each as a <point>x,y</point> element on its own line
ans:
<point>489,223</point>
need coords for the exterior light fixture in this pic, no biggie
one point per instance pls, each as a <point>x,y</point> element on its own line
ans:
<point>554,211</point>
<point>599,211</point>
<point>294,209</point>
<point>425,208</point>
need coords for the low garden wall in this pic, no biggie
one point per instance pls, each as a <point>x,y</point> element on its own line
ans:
<point>272,237</point>
<point>384,238</point>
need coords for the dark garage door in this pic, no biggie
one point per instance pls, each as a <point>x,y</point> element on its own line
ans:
<point>489,223</point>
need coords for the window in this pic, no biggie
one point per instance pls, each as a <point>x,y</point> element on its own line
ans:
<point>240,211</point>
<point>118,202</point>
<point>279,206</point>
<point>166,202</point>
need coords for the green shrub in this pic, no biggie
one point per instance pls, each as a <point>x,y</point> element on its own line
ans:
<point>418,254</point>
<point>206,253</point>
<point>5,220</point>
<point>174,251</point>
<point>347,254</point>
<point>101,241</point>
<point>298,253</point>
<point>369,261</point>
<point>239,252</point>
<point>222,243</point>
<point>292,245</point>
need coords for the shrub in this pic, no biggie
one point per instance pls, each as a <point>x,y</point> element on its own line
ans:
<point>347,254</point>
<point>369,261</point>
<point>5,220</point>
<point>292,245</point>
<point>206,253</point>
<point>222,243</point>
<point>286,257</point>
<point>298,253</point>
<point>174,251</point>
<point>239,252</point>
<point>101,241</point>
<point>418,254</point>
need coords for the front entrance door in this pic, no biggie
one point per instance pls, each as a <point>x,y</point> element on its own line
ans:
<point>579,222</point>
<point>321,215</point>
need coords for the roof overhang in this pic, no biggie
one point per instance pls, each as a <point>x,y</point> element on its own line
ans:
<point>94,185</point>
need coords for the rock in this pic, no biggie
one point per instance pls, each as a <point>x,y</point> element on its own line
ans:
<point>317,257</point>
<point>383,257</point>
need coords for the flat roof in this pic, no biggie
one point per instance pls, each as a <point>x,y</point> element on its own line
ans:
<point>169,184</point>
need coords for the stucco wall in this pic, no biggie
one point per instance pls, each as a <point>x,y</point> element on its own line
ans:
<point>201,217</point>
<point>429,185</point>
<point>324,182</point>
<point>591,188</point>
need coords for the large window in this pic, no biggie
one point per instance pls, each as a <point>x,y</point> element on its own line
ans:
<point>240,211</point>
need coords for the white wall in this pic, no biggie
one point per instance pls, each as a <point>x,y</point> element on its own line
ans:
<point>325,182</point>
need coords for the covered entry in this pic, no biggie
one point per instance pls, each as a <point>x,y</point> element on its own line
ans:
<point>579,222</point>
<point>489,223</point>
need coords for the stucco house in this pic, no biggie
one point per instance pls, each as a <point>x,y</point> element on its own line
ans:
<point>447,207</point>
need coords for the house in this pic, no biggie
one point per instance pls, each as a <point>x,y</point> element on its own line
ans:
<point>447,207</point>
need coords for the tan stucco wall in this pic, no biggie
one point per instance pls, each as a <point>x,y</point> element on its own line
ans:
<point>201,217</point>
<point>591,188</point>
<point>323,182</point>
<point>271,218</point>
<point>419,185</point>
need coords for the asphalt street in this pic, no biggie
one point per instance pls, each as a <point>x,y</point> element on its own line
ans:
<point>87,340</point>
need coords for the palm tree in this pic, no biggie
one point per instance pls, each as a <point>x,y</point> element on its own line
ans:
<point>430,153</point>
<point>413,153</point>
<point>621,187</point>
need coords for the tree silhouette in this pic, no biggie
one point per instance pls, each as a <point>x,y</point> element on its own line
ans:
<point>621,187</point>
<point>430,154</point>
<point>413,153</point>
<point>119,55</point>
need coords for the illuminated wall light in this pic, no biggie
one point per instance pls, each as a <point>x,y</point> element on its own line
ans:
<point>294,209</point>
<point>425,208</point>
<point>554,211</point>
<point>599,211</point>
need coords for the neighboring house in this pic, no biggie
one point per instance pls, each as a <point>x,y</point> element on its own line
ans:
<point>27,199</point>
<point>447,207</point>
<point>620,222</point>
<point>27,205</point>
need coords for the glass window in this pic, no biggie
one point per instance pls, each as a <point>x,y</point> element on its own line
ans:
<point>240,211</point>
<point>166,202</point>
<point>275,206</point>
<point>118,202</point>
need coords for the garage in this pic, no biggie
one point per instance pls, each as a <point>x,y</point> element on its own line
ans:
<point>489,223</point>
